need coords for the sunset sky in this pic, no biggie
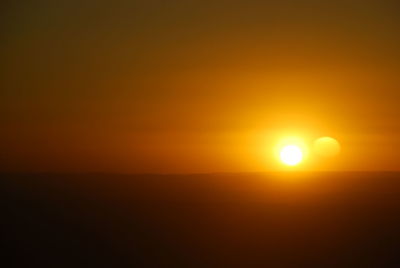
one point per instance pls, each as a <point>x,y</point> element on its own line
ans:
<point>197,86</point>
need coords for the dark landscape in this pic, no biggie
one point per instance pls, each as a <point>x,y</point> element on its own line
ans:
<point>338,219</point>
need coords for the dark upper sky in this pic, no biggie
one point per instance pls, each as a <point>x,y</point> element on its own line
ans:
<point>196,86</point>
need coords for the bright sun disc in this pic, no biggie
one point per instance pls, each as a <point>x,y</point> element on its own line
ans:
<point>291,155</point>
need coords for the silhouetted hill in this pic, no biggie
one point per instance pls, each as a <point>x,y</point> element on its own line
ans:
<point>213,220</point>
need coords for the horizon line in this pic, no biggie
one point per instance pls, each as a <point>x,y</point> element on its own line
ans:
<point>188,173</point>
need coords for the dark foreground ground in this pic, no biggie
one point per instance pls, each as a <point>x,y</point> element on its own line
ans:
<point>221,220</point>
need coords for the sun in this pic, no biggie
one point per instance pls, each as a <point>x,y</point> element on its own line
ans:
<point>291,155</point>
<point>291,150</point>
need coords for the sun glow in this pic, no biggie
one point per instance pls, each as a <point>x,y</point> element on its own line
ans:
<point>295,150</point>
<point>291,150</point>
<point>291,155</point>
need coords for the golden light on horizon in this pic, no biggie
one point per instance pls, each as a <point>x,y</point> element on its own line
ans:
<point>291,155</point>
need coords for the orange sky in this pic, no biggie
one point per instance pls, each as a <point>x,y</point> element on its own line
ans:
<point>199,86</point>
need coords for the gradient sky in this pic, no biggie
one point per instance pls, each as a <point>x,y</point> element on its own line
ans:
<point>197,86</point>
